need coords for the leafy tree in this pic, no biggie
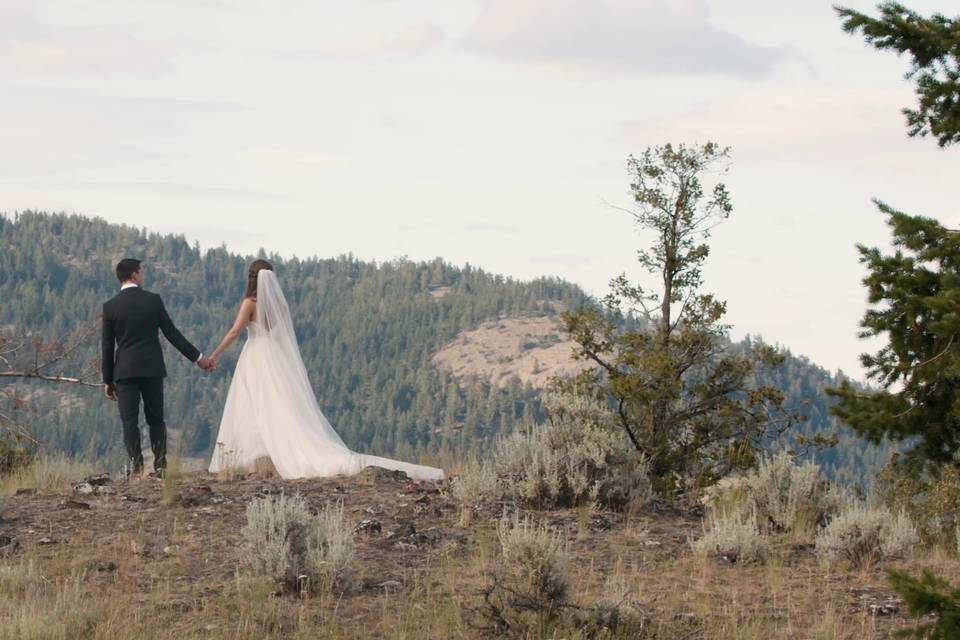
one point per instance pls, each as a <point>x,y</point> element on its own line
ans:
<point>685,400</point>
<point>933,45</point>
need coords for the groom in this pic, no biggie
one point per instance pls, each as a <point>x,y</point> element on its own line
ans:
<point>133,366</point>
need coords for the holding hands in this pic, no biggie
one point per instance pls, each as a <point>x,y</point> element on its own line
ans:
<point>207,364</point>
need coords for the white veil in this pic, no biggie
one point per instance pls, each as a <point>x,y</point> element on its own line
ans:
<point>275,326</point>
<point>271,409</point>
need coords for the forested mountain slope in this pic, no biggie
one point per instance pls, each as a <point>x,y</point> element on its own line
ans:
<point>368,333</point>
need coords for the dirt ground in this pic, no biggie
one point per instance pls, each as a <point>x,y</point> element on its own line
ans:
<point>158,559</point>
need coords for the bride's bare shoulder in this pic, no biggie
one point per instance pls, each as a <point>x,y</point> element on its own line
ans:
<point>250,305</point>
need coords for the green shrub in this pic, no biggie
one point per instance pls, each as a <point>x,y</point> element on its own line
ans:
<point>529,592</point>
<point>733,536</point>
<point>577,457</point>
<point>529,584</point>
<point>477,483</point>
<point>284,541</point>
<point>535,561</point>
<point>930,498</point>
<point>728,495</point>
<point>863,534</point>
<point>782,495</point>
<point>790,497</point>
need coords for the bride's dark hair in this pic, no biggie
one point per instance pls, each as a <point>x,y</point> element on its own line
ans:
<point>255,268</point>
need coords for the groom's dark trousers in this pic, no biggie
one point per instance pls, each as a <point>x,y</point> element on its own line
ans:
<point>129,393</point>
<point>133,361</point>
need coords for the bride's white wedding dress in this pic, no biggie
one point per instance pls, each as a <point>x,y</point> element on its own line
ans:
<point>271,409</point>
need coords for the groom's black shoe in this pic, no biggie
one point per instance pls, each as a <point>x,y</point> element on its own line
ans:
<point>134,469</point>
<point>160,462</point>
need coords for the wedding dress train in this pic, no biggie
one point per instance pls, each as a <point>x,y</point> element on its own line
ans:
<point>271,409</point>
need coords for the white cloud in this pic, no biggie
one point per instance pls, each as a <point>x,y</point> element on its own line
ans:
<point>414,39</point>
<point>644,36</point>
<point>563,260</point>
<point>844,126</point>
<point>171,189</point>
<point>47,130</point>
<point>290,159</point>
<point>30,46</point>
<point>486,227</point>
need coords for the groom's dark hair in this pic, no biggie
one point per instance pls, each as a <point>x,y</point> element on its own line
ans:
<point>126,268</point>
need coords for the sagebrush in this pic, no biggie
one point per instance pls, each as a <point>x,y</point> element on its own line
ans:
<point>530,582</point>
<point>864,533</point>
<point>287,543</point>
<point>477,482</point>
<point>790,497</point>
<point>536,561</point>
<point>930,498</point>
<point>733,536</point>
<point>780,495</point>
<point>577,457</point>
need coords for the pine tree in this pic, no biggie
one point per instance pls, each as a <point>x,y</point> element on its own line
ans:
<point>933,45</point>
<point>916,297</point>
<point>916,290</point>
<point>929,595</point>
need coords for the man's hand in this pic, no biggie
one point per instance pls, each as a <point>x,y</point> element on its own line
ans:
<point>110,391</point>
<point>207,364</point>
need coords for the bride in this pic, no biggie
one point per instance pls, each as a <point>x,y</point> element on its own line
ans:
<point>271,409</point>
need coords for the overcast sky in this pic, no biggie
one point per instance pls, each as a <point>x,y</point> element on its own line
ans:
<point>491,132</point>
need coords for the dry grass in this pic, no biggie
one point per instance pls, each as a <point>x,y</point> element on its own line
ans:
<point>230,467</point>
<point>171,479</point>
<point>47,473</point>
<point>175,574</point>
<point>263,468</point>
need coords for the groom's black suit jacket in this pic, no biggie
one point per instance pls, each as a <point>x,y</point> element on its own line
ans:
<point>133,320</point>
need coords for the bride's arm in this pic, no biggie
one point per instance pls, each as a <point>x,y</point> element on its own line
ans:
<point>243,317</point>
